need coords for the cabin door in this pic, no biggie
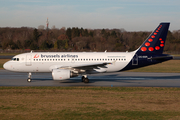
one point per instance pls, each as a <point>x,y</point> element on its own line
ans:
<point>135,60</point>
<point>28,60</point>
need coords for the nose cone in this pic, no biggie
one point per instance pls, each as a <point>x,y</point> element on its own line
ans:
<point>6,66</point>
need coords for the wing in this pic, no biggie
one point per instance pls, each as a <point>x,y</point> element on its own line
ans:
<point>86,68</point>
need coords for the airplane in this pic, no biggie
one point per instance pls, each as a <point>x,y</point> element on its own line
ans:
<point>65,65</point>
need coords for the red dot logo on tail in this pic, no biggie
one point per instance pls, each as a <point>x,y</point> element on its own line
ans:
<point>147,44</point>
<point>157,47</point>
<point>160,38</point>
<point>153,36</point>
<point>151,49</point>
<point>150,40</point>
<point>162,45</point>
<point>143,49</point>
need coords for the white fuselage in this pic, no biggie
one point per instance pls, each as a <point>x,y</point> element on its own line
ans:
<point>47,61</point>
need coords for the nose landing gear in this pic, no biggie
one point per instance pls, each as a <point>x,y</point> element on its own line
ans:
<point>29,77</point>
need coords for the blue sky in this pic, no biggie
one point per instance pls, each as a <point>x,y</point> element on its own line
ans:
<point>132,15</point>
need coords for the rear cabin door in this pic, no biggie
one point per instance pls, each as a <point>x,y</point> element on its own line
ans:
<point>135,60</point>
<point>28,60</point>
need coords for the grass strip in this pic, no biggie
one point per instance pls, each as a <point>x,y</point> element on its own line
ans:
<point>89,103</point>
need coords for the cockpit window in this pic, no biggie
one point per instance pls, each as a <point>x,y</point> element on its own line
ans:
<point>15,59</point>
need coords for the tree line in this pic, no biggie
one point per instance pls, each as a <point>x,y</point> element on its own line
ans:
<point>79,39</point>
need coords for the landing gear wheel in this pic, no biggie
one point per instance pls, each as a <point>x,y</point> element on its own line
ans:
<point>29,77</point>
<point>29,80</point>
<point>83,78</point>
<point>86,80</point>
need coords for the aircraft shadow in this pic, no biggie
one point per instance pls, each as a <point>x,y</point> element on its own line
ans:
<point>111,78</point>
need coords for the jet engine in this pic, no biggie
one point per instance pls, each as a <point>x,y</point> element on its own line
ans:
<point>61,74</point>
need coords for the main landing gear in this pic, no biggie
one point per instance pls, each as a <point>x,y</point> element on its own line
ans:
<point>85,79</point>
<point>29,77</point>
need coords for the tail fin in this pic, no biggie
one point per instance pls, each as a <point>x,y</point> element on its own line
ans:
<point>154,44</point>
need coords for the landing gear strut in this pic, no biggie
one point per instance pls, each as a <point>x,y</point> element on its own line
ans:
<point>29,77</point>
<point>85,79</point>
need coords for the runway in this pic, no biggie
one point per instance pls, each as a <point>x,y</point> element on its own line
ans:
<point>120,79</point>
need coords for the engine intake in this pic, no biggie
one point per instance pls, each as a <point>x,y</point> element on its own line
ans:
<point>60,74</point>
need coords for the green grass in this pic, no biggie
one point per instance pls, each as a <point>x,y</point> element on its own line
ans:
<point>8,54</point>
<point>129,103</point>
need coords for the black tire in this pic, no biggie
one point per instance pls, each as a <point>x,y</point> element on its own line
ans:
<point>83,78</point>
<point>86,80</point>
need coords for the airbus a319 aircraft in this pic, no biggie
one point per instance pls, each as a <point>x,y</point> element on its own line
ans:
<point>65,65</point>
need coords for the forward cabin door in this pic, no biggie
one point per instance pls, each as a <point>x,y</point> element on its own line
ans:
<point>28,60</point>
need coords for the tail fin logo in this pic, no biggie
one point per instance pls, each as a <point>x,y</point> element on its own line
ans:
<point>156,41</point>
<point>151,40</point>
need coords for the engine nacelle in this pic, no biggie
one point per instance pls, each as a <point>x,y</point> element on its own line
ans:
<point>60,74</point>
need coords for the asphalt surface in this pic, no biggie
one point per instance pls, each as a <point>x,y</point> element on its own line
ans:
<point>121,79</point>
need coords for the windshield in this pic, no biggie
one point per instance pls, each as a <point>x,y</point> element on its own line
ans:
<point>15,59</point>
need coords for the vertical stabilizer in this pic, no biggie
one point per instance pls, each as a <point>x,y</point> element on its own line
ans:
<point>155,43</point>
